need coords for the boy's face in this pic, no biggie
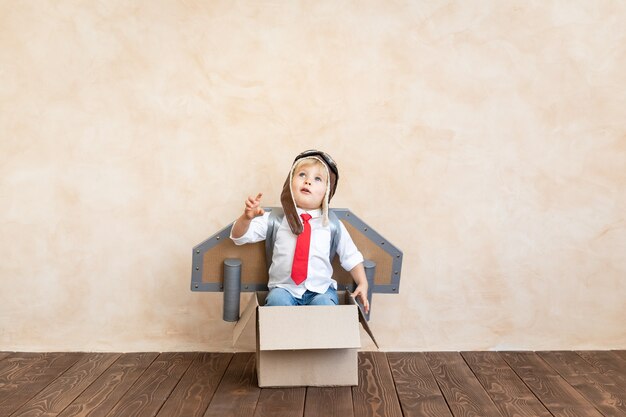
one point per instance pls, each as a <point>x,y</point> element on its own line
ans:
<point>308,186</point>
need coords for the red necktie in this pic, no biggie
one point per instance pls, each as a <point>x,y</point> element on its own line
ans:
<point>300,265</point>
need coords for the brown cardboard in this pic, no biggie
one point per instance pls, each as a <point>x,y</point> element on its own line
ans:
<point>308,327</point>
<point>247,319</point>
<point>305,345</point>
<point>321,367</point>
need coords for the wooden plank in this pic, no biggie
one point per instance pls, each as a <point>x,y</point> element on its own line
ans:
<point>281,402</point>
<point>238,393</point>
<point>621,354</point>
<point>463,392</point>
<point>147,396</point>
<point>4,355</point>
<point>416,386</point>
<point>16,364</point>
<point>560,398</point>
<point>567,363</point>
<point>375,395</point>
<point>328,402</point>
<point>510,395</point>
<point>60,393</point>
<point>599,389</point>
<point>15,369</point>
<point>106,391</point>
<point>608,363</point>
<point>192,395</point>
<point>35,378</point>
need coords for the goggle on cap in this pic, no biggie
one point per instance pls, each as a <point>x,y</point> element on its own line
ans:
<point>286,197</point>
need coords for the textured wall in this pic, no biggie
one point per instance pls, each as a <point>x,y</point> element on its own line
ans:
<point>486,139</point>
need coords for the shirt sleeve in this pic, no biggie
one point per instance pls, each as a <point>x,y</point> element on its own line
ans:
<point>349,255</point>
<point>255,233</point>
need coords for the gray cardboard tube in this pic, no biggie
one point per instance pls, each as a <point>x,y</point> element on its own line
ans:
<point>232,288</point>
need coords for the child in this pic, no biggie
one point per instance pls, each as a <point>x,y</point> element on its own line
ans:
<point>301,272</point>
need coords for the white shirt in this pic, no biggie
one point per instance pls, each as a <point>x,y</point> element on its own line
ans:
<point>320,271</point>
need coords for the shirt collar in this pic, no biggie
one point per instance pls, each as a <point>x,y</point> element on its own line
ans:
<point>314,213</point>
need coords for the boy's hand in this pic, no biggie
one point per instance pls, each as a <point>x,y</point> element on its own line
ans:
<point>253,207</point>
<point>361,293</point>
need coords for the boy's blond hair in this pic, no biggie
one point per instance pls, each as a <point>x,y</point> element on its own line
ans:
<point>311,161</point>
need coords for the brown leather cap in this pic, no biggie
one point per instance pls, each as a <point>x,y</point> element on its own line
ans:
<point>286,197</point>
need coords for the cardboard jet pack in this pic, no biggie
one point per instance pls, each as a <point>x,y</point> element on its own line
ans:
<point>301,345</point>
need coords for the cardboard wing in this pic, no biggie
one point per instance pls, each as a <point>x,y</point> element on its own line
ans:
<point>208,260</point>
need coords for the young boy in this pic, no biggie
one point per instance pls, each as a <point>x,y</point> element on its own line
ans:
<point>301,273</point>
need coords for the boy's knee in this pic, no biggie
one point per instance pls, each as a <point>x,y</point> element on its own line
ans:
<point>279,297</point>
<point>325,300</point>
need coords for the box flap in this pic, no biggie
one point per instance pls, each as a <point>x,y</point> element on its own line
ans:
<point>247,318</point>
<point>367,328</point>
<point>308,327</point>
<point>362,319</point>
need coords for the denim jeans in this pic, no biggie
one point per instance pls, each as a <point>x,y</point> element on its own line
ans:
<point>282,297</point>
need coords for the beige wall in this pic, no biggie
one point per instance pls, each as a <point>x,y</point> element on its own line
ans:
<point>486,139</point>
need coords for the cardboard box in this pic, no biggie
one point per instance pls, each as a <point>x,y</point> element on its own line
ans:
<point>306,345</point>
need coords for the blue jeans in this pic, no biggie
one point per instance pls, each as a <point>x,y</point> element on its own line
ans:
<point>282,297</point>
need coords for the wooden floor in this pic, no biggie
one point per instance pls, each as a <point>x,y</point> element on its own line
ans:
<point>568,384</point>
